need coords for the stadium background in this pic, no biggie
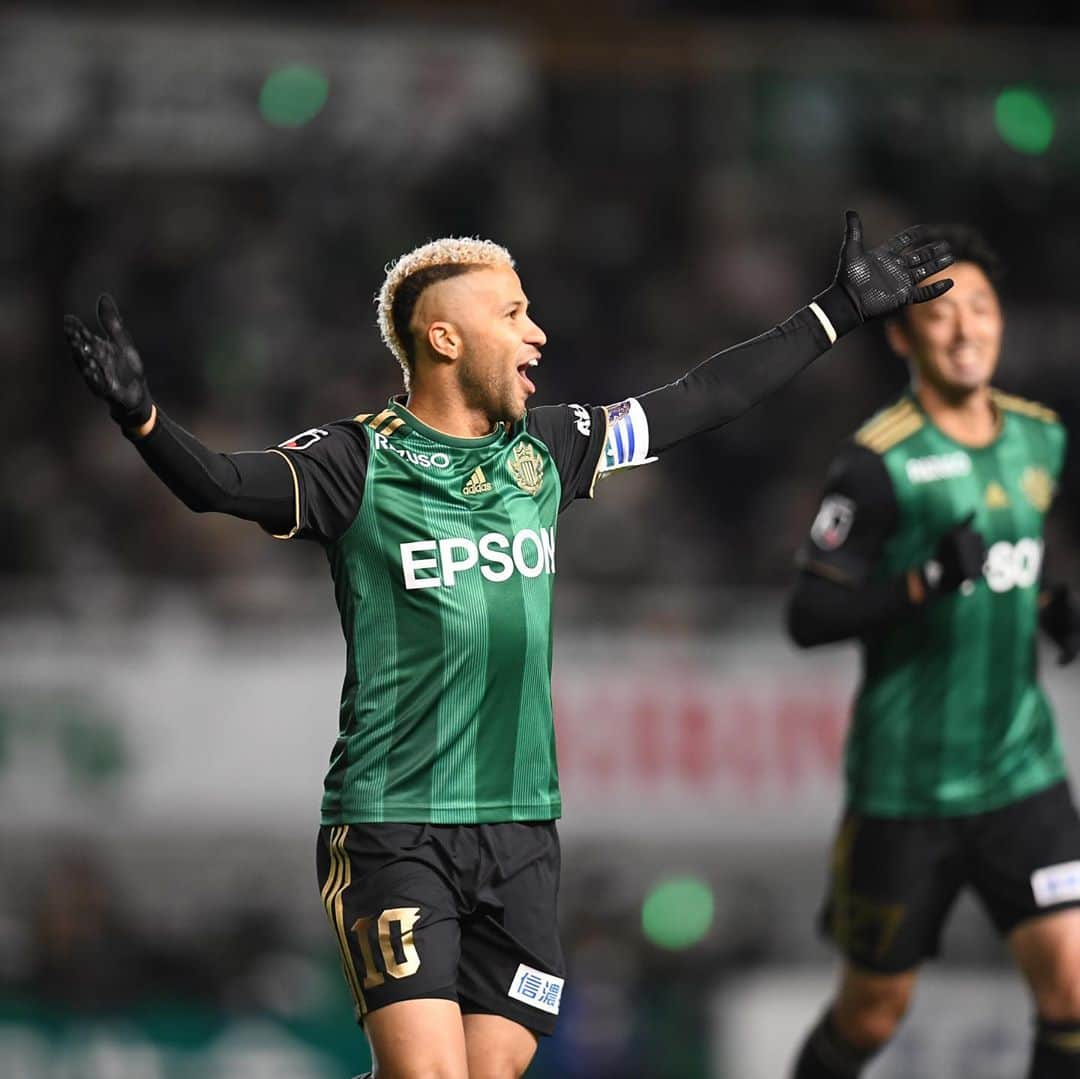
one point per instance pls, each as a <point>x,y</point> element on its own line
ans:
<point>671,182</point>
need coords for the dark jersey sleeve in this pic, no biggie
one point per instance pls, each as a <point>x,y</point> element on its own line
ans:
<point>329,466</point>
<point>574,435</point>
<point>858,512</point>
<point>254,486</point>
<point>730,383</point>
<point>836,597</point>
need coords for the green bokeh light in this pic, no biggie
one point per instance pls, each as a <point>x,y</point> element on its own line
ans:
<point>293,95</point>
<point>1024,120</point>
<point>677,912</point>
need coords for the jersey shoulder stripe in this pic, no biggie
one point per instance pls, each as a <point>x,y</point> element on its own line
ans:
<point>1009,402</point>
<point>890,427</point>
<point>384,423</point>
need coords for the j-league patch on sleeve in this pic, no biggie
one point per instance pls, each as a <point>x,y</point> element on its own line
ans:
<point>305,439</point>
<point>534,987</point>
<point>833,522</point>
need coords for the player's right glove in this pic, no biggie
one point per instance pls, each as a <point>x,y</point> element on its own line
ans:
<point>869,284</point>
<point>110,365</point>
<point>959,558</point>
<point>1060,620</point>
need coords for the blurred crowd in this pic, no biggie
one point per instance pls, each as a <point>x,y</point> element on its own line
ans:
<point>656,219</point>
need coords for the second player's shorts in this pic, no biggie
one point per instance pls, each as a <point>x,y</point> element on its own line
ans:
<point>458,912</point>
<point>894,880</point>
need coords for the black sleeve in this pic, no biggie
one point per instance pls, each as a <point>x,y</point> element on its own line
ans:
<point>574,435</point>
<point>254,486</point>
<point>293,489</point>
<point>834,597</point>
<point>858,513</point>
<point>730,383</point>
<point>821,611</point>
<point>330,465</point>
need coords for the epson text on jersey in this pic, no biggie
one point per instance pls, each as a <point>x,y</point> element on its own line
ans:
<point>436,563</point>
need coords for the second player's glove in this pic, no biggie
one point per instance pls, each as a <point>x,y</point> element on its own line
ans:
<point>869,284</point>
<point>110,365</point>
<point>959,558</point>
<point>1060,620</point>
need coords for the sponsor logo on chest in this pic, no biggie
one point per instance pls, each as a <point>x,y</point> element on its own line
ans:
<point>421,460</point>
<point>940,466</point>
<point>435,563</point>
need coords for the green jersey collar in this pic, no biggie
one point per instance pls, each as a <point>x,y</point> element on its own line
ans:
<point>397,405</point>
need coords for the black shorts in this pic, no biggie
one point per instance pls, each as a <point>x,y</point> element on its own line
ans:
<point>894,880</point>
<point>463,912</point>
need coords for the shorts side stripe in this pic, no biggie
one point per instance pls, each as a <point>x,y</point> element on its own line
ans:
<point>333,899</point>
<point>332,874</point>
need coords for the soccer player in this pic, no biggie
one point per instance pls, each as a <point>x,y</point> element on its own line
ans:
<point>928,548</point>
<point>437,853</point>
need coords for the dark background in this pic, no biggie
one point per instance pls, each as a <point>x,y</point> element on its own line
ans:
<point>670,179</point>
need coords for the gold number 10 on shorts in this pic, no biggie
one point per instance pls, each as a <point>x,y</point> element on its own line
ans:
<point>404,918</point>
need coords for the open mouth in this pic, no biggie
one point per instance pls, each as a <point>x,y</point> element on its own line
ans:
<point>523,374</point>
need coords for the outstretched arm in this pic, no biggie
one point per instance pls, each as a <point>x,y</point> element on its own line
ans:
<point>868,284</point>
<point>254,486</point>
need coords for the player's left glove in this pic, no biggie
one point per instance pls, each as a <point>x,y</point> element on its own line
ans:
<point>1060,619</point>
<point>869,284</point>
<point>110,365</point>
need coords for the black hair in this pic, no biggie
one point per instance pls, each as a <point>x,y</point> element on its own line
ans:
<point>408,292</point>
<point>968,245</point>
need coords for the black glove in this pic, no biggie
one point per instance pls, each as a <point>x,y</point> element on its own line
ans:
<point>869,284</point>
<point>959,558</point>
<point>110,365</point>
<point>1060,620</point>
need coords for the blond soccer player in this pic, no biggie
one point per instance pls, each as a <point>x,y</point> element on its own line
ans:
<point>437,851</point>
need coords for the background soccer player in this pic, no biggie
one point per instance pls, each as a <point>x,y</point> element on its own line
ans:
<point>437,854</point>
<point>929,548</point>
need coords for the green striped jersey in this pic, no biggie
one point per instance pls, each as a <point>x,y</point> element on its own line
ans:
<point>949,718</point>
<point>442,551</point>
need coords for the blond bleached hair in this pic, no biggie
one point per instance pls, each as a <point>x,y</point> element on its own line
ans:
<point>423,266</point>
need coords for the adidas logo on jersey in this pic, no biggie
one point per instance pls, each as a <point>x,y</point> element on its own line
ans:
<point>996,498</point>
<point>477,483</point>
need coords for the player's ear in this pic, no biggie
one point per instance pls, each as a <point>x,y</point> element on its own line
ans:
<point>896,333</point>
<point>444,340</point>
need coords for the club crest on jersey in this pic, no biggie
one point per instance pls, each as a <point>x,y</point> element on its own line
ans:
<point>1038,487</point>
<point>305,439</point>
<point>526,467</point>
<point>833,522</point>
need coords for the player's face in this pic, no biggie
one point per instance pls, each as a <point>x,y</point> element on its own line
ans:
<point>500,343</point>
<point>953,342</point>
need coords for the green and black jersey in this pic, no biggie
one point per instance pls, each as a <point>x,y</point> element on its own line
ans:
<point>443,556</point>
<point>442,551</point>
<point>949,718</point>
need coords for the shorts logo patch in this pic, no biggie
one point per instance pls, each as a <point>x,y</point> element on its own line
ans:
<point>833,523</point>
<point>1056,884</point>
<point>537,989</point>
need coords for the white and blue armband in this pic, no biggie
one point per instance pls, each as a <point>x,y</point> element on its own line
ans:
<point>627,441</point>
